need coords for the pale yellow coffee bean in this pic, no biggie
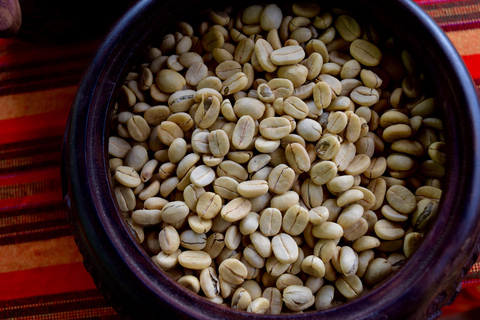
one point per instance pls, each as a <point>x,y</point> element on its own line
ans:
<point>274,296</point>
<point>349,287</point>
<point>190,283</point>
<point>263,50</point>
<point>377,168</point>
<point>370,78</point>
<point>411,243</point>
<point>168,131</point>
<point>136,157</point>
<point>344,156</point>
<point>318,215</point>
<point>340,184</point>
<point>426,211</point>
<point>296,73</point>
<point>322,95</point>
<point>208,205</point>
<point>323,172</point>
<point>281,179</point>
<point>138,128</point>
<point>350,215</point>
<point>186,164</point>
<point>410,147</point>
<point>209,282</point>
<point>244,132</point>
<point>284,201</point>
<point>167,261</point>
<point>429,192</point>
<point>235,83</point>
<point>295,107</point>
<point>314,64</point>
<point>177,150</point>
<point>377,270</point>
<point>328,230</point>
<point>233,170</point>
<point>270,221</point>
<point>396,132</point>
<point>295,220</point>
<point>265,145</point>
<point>127,176</point>
<point>378,187</point>
<point>191,240</point>
<point>271,17</point>
<point>309,129</point>
<point>327,147</point>
<point>364,96</point>
<point>287,55</point>
<point>191,195</point>
<point>281,88</point>
<point>252,188</point>
<point>401,199</point>
<point>118,147</point>
<point>212,39</point>
<point>297,157</point>
<point>227,69</point>
<point>174,212</point>
<point>241,299</point>
<point>219,143</point>
<point>202,176</point>
<point>147,218</point>
<point>348,260</point>
<point>215,244</point>
<point>232,271</point>
<point>196,260</point>
<point>265,94</point>
<point>401,162</point>
<point>207,111</point>
<point>325,298</point>
<point>313,266</point>
<point>284,248</point>
<point>169,81</point>
<point>236,209</point>
<point>348,28</point>
<point>365,243</point>
<point>337,122</point>
<point>393,117</point>
<point>365,52</point>
<point>274,128</point>
<point>388,230</point>
<point>126,199</point>
<point>199,224</point>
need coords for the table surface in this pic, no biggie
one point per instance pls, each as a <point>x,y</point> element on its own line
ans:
<point>42,275</point>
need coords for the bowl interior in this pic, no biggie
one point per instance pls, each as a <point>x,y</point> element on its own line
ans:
<point>415,284</point>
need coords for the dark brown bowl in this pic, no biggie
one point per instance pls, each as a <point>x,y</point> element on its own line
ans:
<point>138,289</point>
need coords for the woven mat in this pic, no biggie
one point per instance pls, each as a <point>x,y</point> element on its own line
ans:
<point>41,271</point>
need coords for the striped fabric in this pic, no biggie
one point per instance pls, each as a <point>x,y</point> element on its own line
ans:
<point>41,271</point>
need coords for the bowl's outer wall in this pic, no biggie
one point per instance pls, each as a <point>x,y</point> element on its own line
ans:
<point>136,288</point>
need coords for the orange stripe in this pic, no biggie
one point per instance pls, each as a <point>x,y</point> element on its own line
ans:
<point>467,42</point>
<point>453,11</point>
<point>45,280</point>
<point>51,101</point>
<point>45,253</point>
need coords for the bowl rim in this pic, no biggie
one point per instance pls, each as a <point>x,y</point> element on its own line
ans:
<point>100,238</point>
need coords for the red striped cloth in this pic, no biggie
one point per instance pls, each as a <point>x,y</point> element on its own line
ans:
<point>41,271</point>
